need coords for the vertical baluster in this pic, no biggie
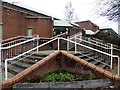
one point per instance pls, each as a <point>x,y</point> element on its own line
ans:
<point>37,43</point>
<point>0,54</point>
<point>58,44</point>
<point>75,44</point>
<point>68,43</point>
<point>111,55</point>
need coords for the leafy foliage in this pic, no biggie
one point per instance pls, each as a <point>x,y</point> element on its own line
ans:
<point>63,76</point>
<point>58,76</point>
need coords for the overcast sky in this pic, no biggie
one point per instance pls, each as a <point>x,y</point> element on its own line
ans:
<point>84,9</point>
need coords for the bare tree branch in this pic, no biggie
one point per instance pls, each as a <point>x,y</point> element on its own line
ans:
<point>109,9</point>
<point>69,12</point>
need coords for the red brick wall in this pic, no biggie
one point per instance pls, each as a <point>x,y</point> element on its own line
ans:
<point>0,13</point>
<point>41,26</point>
<point>88,25</point>
<point>16,24</point>
<point>13,23</point>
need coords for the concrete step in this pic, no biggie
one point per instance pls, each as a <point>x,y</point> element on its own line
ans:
<point>87,59</point>
<point>93,62</point>
<point>35,57</point>
<point>29,61</point>
<point>21,64</point>
<point>101,65</point>
<point>42,54</point>
<point>14,69</point>
<point>10,75</point>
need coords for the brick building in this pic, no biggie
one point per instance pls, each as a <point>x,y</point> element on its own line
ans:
<point>19,20</point>
<point>88,25</point>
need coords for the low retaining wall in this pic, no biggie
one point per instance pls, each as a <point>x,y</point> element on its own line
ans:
<point>66,85</point>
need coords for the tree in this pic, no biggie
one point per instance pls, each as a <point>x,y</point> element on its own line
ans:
<point>109,9</point>
<point>69,12</point>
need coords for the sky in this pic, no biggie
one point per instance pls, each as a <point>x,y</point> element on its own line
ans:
<point>84,9</point>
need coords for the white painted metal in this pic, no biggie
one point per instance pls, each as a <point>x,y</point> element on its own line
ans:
<point>92,43</point>
<point>68,44</point>
<point>58,39</point>
<point>75,44</point>
<point>118,65</point>
<point>18,43</point>
<point>37,43</point>
<point>58,44</point>
<point>0,54</point>
<point>11,59</point>
<point>111,56</point>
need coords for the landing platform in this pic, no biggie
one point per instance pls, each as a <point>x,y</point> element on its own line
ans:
<point>47,52</point>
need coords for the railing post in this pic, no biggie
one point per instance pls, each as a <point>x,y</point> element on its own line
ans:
<point>0,54</point>
<point>0,62</point>
<point>111,56</point>
<point>75,45</point>
<point>6,70</point>
<point>58,44</point>
<point>68,43</point>
<point>118,65</point>
<point>37,43</point>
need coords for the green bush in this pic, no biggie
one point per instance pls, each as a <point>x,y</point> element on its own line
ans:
<point>62,76</point>
<point>57,76</point>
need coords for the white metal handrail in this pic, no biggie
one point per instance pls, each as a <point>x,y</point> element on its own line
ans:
<point>22,38</point>
<point>10,59</point>
<point>113,56</point>
<point>89,40</point>
<point>106,45</point>
<point>13,41</point>
<point>86,46</point>
<point>59,38</point>
<point>18,44</point>
<point>92,43</point>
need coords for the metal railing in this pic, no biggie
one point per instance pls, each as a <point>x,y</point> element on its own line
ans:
<point>102,50</point>
<point>16,47</point>
<point>33,49</point>
<point>76,44</point>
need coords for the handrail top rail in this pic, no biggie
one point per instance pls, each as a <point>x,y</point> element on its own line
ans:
<point>17,44</point>
<point>62,39</point>
<point>89,47</point>
<point>31,50</point>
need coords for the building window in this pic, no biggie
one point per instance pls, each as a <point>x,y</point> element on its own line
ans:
<point>29,32</point>
<point>1,30</point>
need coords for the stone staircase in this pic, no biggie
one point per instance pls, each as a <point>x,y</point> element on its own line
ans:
<point>94,59</point>
<point>26,61</point>
<point>15,67</point>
